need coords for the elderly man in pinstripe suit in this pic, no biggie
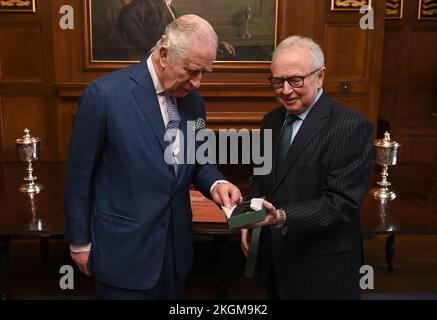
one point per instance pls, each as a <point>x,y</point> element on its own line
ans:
<point>310,244</point>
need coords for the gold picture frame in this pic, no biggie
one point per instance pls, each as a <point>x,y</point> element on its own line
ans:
<point>349,5</point>
<point>103,53</point>
<point>394,9</point>
<point>427,10</point>
<point>17,6</point>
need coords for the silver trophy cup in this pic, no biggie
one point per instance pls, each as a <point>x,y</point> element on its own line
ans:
<point>386,152</point>
<point>27,149</point>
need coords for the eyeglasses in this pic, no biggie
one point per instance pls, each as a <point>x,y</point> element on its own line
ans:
<point>294,81</point>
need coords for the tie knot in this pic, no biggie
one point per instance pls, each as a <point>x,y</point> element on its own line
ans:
<point>291,118</point>
<point>173,113</point>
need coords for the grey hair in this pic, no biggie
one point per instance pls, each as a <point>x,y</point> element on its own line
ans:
<point>186,31</point>
<point>306,43</point>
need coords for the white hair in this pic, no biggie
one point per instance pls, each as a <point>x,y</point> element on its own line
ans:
<point>308,44</point>
<point>186,31</point>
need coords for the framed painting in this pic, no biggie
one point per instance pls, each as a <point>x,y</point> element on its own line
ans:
<point>394,9</point>
<point>349,5</point>
<point>118,32</point>
<point>427,10</point>
<point>17,6</point>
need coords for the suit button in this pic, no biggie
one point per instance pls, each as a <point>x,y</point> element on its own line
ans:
<point>163,224</point>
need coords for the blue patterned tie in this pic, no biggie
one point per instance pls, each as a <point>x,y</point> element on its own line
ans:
<point>172,127</point>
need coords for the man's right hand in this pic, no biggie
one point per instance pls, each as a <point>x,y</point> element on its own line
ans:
<point>81,260</point>
<point>245,241</point>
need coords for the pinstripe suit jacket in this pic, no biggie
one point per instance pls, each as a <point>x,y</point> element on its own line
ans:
<point>320,187</point>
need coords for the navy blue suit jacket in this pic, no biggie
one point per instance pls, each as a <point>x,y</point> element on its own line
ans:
<point>120,194</point>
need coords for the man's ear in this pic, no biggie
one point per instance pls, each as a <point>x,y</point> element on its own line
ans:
<point>321,77</point>
<point>163,56</point>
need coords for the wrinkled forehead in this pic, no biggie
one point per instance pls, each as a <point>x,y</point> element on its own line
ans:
<point>203,52</point>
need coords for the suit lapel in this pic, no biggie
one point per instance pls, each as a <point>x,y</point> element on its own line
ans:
<point>311,126</point>
<point>145,95</point>
<point>276,127</point>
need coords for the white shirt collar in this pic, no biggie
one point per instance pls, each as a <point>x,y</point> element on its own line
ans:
<point>159,88</point>
<point>303,114</point>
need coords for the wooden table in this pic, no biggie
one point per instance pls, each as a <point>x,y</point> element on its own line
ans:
<point>414,211</point>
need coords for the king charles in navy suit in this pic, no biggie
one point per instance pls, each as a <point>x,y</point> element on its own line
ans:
<point>128,214</point>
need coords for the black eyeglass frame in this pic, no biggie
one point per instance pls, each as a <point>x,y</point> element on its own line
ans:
<point>289,80</point>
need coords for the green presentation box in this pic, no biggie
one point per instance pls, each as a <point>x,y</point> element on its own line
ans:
<point>243,215</point>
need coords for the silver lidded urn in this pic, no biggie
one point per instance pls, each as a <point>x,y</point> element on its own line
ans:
<point>27,149</point>
<point>386,152</point>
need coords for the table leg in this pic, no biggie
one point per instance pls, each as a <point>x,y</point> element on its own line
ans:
<point>4,268</point>
<point>389,251</point>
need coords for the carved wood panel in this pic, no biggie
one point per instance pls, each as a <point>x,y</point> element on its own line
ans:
<point>21,53</point>
<point>409,82</point>
<point>18,113</point>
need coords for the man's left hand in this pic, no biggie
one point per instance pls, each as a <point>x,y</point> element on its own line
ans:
<point>226,194</point>
<point>270,219</point>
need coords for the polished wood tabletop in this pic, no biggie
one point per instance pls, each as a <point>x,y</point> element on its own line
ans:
<point>27,214</point>
<point>414,211</point>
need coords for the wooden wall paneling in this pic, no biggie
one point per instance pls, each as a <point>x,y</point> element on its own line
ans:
<point>343,60</point>
<point>65,117</point>
<point>419,101</point>
<point>21,53</point>
<point>353,56</point>
<point>19,113</point>
<point>423,59</point>
<point>410,71</point>
<point>30,110</point>
<point>392,51</point>
<point>388,102</point>
<point>418,141</point>
<point>416,68</point>
<point>376,36</point>
<point>298,17</point>
<point>69,45</point>
<point>26,81</point>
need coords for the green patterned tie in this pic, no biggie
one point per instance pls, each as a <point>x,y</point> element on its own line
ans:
<point>285,140</point>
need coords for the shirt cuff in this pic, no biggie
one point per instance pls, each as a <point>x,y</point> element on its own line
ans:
<point>77,248</point>
<point>215,183</point>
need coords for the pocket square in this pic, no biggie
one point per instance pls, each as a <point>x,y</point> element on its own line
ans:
<point>199,123</point>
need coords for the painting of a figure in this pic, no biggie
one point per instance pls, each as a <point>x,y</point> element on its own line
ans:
<point>126,30</point>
